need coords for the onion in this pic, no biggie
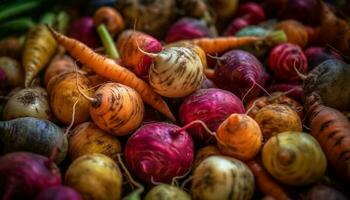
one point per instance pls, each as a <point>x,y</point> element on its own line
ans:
<point>59,193</point>
<point>212,106</point>
<point>158,152</point>
<point>24,175</point>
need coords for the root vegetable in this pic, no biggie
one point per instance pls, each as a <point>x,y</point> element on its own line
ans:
<point>59,193</point>
<point>110,17</point>
<point>169,192</point>
<point>10,47</point>
<point>296,32</point>
<point>205,152</point>
<point>11,73</point>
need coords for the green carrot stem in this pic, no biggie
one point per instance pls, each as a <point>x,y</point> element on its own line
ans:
<point>107,41</point>
<point>17,8</point>
<point>48,18</point>
<point>62,21</point>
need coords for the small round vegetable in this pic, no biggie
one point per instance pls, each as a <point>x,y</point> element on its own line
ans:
<point>295,31</point>
<point>221,177</point>
<point>293,91</point>
<point>110,17</point>
<point>239,136</point>
<point>285,60</point>
<point>59,193</point>
<point>87,138</point>
<point>83,29</point>
<point>276,118</point>
<point>59,64</point>
<point>28,102</point>
<point>168,192</point>
<point>224,9</point>
<point>117,109</point>
<point>64,93</point>
<point>95,176</point>
<point>159,152</point>
<point>317,55</point>
<point>187,28</point>
<point>25,175</point>
<point>212,106</point>
<point>204,153</point>
<point>294,158</point>
<point>11,72</point>
<point>11,47</point>
<point>176,72</point>
<point>322,192</point>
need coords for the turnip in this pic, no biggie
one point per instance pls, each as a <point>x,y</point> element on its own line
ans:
<point>33,135</point>
<point>25,175</point>
<point>59,193</point>
<point>165,191</point>
<point>159,152</point>
<point>221,177</point>
<point>212,106</point>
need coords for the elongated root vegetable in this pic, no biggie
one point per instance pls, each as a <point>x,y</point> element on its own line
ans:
<point>294,158</point>
<point>239,136</point>
<point>205,152</point>
<point>221,177</point>
<point>276,118</point>
<point>64,93</point>
<point>165,191</point>
<point>332,130</point>
<point>108,68</point>
<point>11,72</point>
<point>117,109</point>
<point>127,44</point>
<point>95,176</point>
<point>265,183</point>
<point>87,138</point>
<point>28,102</point>
<point>38,48</point>
<point>176,71</point>
<point>110,17</point>
<point>33,135</point>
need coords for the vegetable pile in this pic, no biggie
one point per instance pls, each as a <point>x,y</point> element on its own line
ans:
<point>176,99</point>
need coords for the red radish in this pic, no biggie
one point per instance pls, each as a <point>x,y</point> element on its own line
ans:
<point>212,106</point>
<point>24,175</point>
<point>59,193</point>
<point>241,73</point>
<point>286,60</point>
<point>187,28</point>
<point>249,13</point>
<point>316,55</point>
<point>292,90</point>
<point>158,152</point>
<point>83,30</point>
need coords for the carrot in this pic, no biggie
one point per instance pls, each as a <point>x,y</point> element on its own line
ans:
<point>266,184</point>
<point>108,68</point>
<point>332,130</point>
<point>110,17</point>
<point>39,47</point>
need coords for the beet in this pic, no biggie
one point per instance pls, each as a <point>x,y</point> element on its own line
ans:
<point>24,175</point>
<point>158,152</point>
<point>212,106</point>
<point>59,193</point>
<point>83,30</point>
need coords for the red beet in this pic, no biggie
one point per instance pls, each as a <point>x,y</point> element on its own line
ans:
<point>187,28</point>
<point>316,55</point>
<point>83,30</point>
<point>59,193</point>
<point>24,175</point>
<point>212,106</point>
<point>241,73</point>
<point>296,90</point>
<point>158,152</point>
<point>283,61</point>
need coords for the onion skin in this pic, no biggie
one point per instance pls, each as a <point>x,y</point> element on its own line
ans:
<point>282,60</point>
<point>28,102</point>
<point>33,135</point>
<point>294,158</point>
<point>11,73</point>
<point>95,176</point>
<point>212,106</point>
<point>156,150</point>
<point>59,193</point>
<point>169,192</point>
<point>28,174</point>
<point>187,28</point>
<point>238,72</point>
<point>83,29</point>
<point>87,138</point>
<point>221,177</point>
<point>322,192</point>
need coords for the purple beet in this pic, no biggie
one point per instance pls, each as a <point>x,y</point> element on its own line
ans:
<point>59,193</point>
<point>83,30</point>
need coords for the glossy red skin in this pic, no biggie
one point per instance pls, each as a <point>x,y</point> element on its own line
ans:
<point>296,94</point>
<point>187,28</point>
<point>212,106</point>
<point>316,55</point>
<point>28,174</point>
<point>83,29</point>
<point>59,193</point>
<point>282,60</point>
<point>152,46</point>
<point>155,150</point>
<point>238,72</point>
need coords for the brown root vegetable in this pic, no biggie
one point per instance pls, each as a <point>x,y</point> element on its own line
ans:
<point>276,118</point>
<point>111,18</point>
<point>10,47</point>
<point>322,192</point>
<point>295,31</point>
<point>153,16</point>
<point>28,102</point>
<point>223,8</point>
<point>64,93</point>
<point>87,138</point>
<point>205,152</point>
<point>11,72</point>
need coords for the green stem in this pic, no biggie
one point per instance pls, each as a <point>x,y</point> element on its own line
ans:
<point>62,21</point>
<point>19,24</point>
<point>17,8</point>
<point>48,18</point>
<point>107,41</point>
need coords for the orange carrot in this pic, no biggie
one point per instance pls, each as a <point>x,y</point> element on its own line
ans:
<point>109,69</point>
<point>265,183</point>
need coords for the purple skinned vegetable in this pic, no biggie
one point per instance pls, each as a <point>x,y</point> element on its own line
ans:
<point>83,30</point>
<point>59,193</point>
